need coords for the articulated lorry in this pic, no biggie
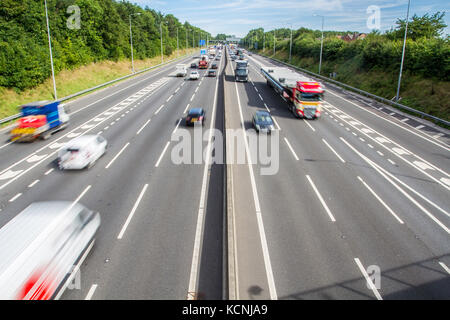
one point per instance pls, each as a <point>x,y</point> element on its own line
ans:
<point>203,63</point>
<point>39,120</point>
<point>241,71</point>
<point>304,95</point>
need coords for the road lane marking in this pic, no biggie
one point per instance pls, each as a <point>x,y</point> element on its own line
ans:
<point>420,127</point>
<point>174,130</point>
<point>385,175</point>
<point>321,199</point>
<point>444,267</point>
<point>162,154</point>
<point>159,109</point>
<point>290,148</point>
<point>117,155</point>
<point>169,98</point>
<point>380,200</point>
<point>312,128</point>
<point>369,281</point>
<point>187,107</point>
<point>17,196</point>
<point>91,292</point>
<point>392,162</point>
<point>130,216</point>
<point>380,153</point>
<point>31,185</point>
<point>142,128</point>
<point>49,171</point>
<point>331,148</point>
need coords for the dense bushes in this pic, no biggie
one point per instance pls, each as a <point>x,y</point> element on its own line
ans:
<point>427,54</point>
<point>104,34</point>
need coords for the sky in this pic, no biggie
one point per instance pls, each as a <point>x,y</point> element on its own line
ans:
<point>237,17</point>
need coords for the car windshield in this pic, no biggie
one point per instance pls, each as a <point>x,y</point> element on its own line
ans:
<point>263,119</point>
<point>309,96</point>
<point>195,113</point>
<point>241,72</point>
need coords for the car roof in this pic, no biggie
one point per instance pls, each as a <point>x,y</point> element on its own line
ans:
<point>80,142</point>
<point>195,111</point>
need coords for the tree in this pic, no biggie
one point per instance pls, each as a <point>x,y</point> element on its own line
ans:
<point>420,27</point>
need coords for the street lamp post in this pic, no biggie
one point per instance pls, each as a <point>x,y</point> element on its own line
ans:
<point>178,48</point>
<point>321,42</point>
<point>131,41</point>
<point>403,55</point>
<point>162,52</point>
<point>51,53</point>
<point>274,40</point>
<point>290,47</point>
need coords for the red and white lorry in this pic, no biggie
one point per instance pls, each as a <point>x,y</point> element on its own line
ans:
<point>304,95</point>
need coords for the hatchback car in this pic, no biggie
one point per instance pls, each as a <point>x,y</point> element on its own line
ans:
<point>194,75</point>
<point>211,73</point>
<point>193,65</point>
<point>195,116</point>
<point>214,66</point>
<point>82,152</point>
<point>263,122</point>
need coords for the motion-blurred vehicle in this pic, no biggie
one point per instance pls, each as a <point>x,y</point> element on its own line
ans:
<point>263,122</point>
<point>193,65</point>
<point>41,246</point>
<point>39,120</point>
<point>194,75</point>
<point>181,70</point>
<point>303,94</point>
<point>81,152</point>
<point>212,73</point>
<point>195,116</point>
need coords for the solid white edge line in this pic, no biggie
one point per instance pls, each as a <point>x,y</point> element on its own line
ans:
<point>331,148</point>
<point>290,148</point>
<point>130,216</point>
<point>117,155</point>
<point>321,199</point>
<point>381,200</point>
<point>162,154</point>
<point>369,281</point>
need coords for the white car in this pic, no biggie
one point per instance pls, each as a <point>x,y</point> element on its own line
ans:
<point>42,246</point>
<point>81,152</point>
<point>194,75</point>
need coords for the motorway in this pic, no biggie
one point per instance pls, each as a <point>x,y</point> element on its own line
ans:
<point>353,191</point>
<point>357,191</point>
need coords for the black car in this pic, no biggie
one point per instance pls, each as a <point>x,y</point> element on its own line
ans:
<point>214,66</point>
<point>193,65</point>
<point>212,73</point>
<point>262,121</point>
<point>195,115</point>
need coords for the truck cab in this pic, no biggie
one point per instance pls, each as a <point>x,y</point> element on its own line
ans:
<point>39,120</point>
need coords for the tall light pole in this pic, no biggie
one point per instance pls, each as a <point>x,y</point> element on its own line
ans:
<point>51,53</point>
<point>178,48</point>
<point>403,54</point>
<point>264,41</point>
<point>290,47</point>
<point>321,43</point>
<point>131,41</point>
<point>162,52</point>
<point>274,39</point>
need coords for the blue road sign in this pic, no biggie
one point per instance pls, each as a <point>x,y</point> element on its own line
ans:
<point>202,42</point>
